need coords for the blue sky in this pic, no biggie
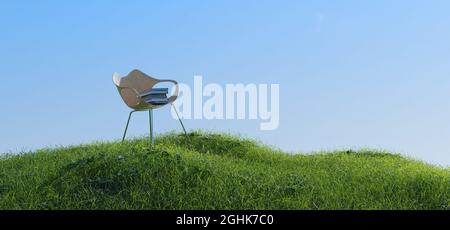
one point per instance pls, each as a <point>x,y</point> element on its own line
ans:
<point>352,74</point>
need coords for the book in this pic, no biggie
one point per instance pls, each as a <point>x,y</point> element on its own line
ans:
<point>154,91</point>
<point>158,101</point>
<point>154,96</point>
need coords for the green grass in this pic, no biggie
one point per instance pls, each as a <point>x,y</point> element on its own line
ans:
<point>216,171</point>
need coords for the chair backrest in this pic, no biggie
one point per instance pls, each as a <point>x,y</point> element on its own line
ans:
<point>135,83</point>
<point>138,81</point>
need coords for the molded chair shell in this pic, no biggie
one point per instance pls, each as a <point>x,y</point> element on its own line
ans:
<point>134,84</point>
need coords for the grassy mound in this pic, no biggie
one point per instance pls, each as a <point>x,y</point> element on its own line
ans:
<point>216,171</point>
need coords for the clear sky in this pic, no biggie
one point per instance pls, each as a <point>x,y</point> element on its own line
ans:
<point>352,74</point>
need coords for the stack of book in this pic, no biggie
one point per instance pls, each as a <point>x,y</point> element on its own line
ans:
<point>155,96</point>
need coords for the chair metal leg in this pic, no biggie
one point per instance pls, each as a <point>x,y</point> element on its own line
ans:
<point>181,122</point>
<point>150,119</point>
<point>126,127</point>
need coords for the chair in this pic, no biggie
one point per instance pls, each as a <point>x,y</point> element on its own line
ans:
<point>138,92</point>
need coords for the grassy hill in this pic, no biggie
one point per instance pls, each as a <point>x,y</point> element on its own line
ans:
<point>216,171</point>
